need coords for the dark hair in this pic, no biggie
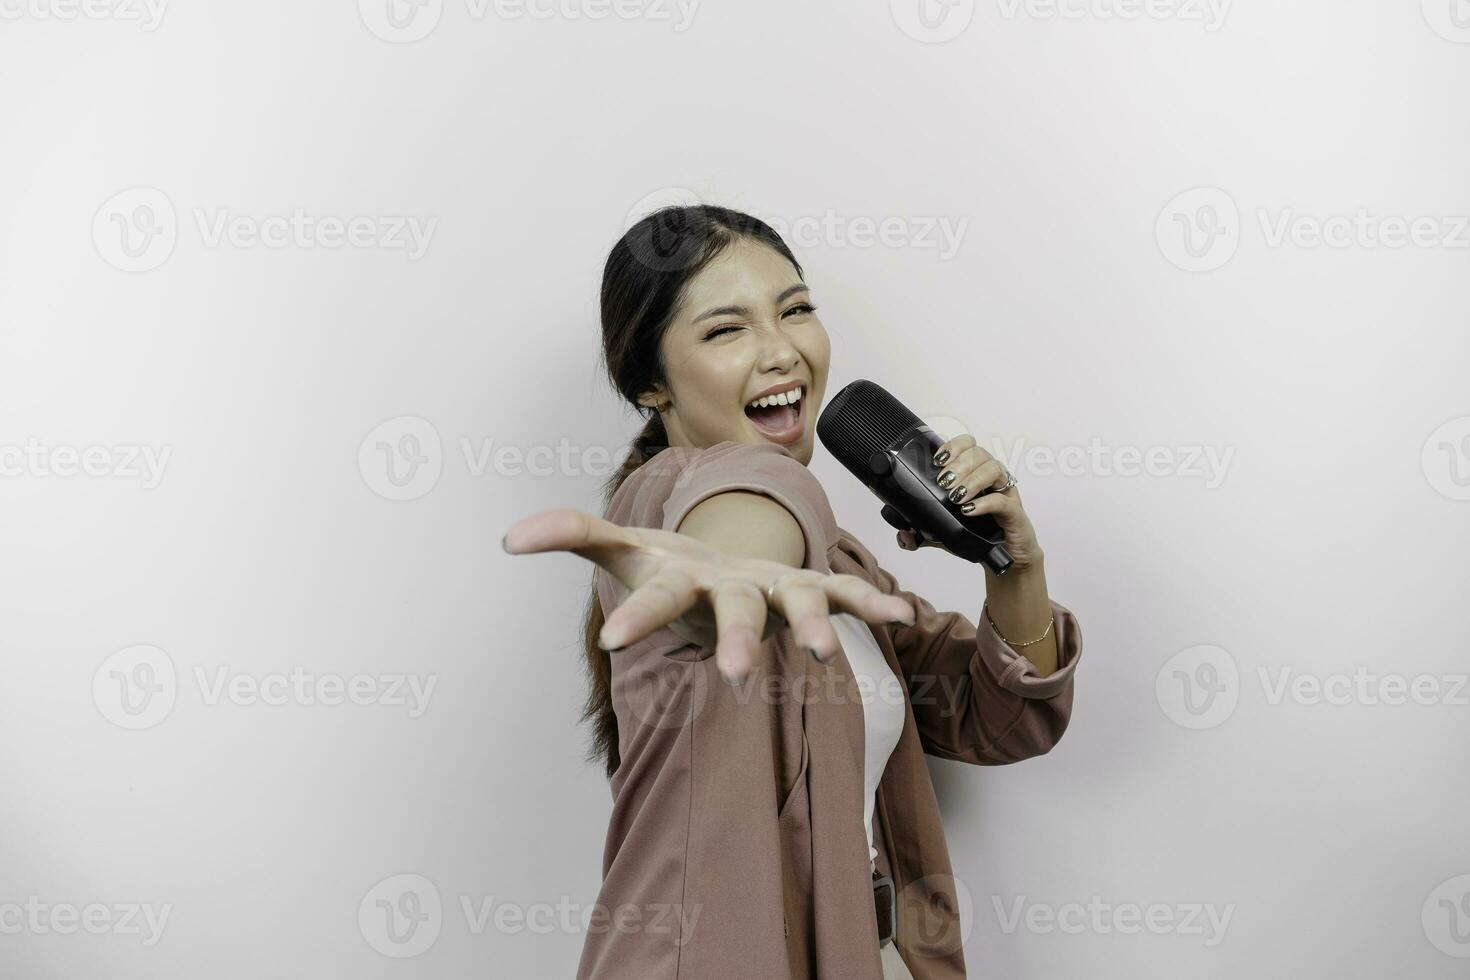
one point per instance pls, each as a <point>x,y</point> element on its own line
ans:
<point>643,284</point>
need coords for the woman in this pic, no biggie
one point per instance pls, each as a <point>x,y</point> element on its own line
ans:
<point>756,826</point>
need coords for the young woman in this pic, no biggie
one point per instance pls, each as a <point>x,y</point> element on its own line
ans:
<point>762,691</point>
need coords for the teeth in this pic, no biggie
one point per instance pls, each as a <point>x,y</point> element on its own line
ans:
<point>785,398</point>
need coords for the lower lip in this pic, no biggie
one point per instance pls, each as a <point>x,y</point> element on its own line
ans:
<point>786,436</point>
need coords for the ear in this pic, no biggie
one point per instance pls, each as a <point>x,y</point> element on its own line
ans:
<point>653,398</point>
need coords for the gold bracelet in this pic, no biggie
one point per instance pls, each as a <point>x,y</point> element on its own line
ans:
<point>1044,633</point>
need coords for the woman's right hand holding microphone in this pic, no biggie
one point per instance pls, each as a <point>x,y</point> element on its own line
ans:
<point>705,595</point>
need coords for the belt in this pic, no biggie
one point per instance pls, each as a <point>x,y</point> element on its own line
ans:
<point>885,906</point>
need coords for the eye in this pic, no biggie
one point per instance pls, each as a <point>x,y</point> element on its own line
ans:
<point>799,308</point>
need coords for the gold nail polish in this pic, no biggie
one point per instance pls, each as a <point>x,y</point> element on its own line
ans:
<point>946,478</point>
<point>942,458</point>
<point>956,494</point>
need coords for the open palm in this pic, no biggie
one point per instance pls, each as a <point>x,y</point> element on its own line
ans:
<point>705,595</point>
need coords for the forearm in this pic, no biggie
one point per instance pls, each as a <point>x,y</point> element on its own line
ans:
<point>1020,608</point>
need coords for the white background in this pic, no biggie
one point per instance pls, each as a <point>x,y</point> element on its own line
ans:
<point>1071,311</point>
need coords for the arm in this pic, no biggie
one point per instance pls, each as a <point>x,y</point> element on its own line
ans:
<point>746,525</point>
<point>974,698</point>
<point>1019,608</point>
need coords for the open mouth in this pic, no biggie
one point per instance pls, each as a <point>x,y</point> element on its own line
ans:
<point>779,423</point>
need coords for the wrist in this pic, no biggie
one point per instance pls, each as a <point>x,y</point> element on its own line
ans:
<point>1032,567</point>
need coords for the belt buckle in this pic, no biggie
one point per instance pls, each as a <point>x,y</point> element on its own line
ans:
<point>885,906</point>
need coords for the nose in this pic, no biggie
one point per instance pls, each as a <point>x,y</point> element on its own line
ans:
<point>777,351</point>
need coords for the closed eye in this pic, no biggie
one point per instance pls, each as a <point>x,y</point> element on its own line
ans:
<point>800,309</point>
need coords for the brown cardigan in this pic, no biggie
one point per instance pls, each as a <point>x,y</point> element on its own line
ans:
<point>736,848</point>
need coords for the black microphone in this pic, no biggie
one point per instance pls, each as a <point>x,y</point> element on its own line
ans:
<point>891,451</point>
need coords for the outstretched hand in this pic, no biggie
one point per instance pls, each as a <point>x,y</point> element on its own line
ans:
<point>705,595</point>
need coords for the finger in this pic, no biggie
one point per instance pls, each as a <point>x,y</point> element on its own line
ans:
<point>848,593</point>
<point>564,529</point>
<point>665,597</point>
<point>954,447</point>
<point>804,605</point>
<point>978,481</point>
<point>991,503</point>
<point>962,464</point>
<point>740,618</point>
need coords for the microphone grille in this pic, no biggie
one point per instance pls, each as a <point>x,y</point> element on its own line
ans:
<point>860,420</point>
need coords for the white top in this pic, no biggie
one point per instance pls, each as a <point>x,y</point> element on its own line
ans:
<point>882,696</point>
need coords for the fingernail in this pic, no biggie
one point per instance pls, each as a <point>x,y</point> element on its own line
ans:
<point>503,546</point>
<point>968,508</point>
<point>942,457</point>
<point>946,478</point>
<point>731,681</point>
<point>815,655</point>
<point>956,494</point>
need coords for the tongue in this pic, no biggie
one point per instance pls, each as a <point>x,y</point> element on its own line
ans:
<point>776,418</point>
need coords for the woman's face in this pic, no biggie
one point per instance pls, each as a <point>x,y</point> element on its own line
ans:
<point>746,324</point>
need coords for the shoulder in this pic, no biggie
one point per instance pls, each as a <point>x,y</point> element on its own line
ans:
<point>661,492</point>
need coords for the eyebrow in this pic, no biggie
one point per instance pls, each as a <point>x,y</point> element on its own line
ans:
<point>742,311</point>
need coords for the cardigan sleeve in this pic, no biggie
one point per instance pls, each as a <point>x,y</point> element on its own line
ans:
<point>974,698</point>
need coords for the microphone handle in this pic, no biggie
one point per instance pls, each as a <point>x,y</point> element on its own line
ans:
<point>903,478</point>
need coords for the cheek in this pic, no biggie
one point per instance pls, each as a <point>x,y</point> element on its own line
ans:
<point>818,347</point>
